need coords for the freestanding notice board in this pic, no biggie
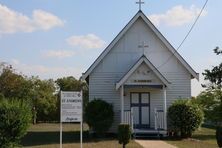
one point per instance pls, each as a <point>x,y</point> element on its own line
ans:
<point>71,110</point>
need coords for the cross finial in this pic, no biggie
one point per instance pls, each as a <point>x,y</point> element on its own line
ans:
<point>140,3</point>
<point>143,46</point>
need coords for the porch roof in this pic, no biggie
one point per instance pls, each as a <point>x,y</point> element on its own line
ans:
<point>143,59</point>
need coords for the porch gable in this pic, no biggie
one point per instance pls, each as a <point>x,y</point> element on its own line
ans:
<point>143,72</point>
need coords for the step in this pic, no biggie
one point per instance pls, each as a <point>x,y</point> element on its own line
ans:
<point>149,131</point>
<point>147,136</point>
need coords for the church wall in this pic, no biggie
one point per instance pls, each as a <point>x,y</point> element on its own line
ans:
<point>124,55</point>
<point>102,86</point>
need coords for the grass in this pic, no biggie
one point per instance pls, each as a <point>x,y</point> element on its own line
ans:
<point>47,136</point>
<point>202,138</point>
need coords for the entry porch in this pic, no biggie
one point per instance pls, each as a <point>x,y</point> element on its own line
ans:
<point>143,98</point>
<point>144,109</point>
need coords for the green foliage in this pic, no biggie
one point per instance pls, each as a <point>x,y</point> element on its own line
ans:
<point>15,117</point>
<point>99,115</point>
<point>124,134</point>
<point>38,93</point>
<point>69,84</point>
<point>72,84</point>
<point>213,106</point>
<point>46,109</point>
<point>219,136</point>
<point>217,50</point>
<point>14,85</point>
<point>214,76</point>
<point>1,96</point>
<point>184,117</point>
<point>211,103</point>
<point>44,100</point>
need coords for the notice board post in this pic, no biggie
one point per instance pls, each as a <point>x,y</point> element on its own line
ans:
<point>71,109</point>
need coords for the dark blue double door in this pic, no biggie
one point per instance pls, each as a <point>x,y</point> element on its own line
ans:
<point>140,105</point>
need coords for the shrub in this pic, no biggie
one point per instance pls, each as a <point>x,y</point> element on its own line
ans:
<point>211,102</point>
<point>1,96</point>
<point>124,134</point>
<point>99,115</point>
<point>219,136</point>
<point>15,117</point>
<point>46,109</point>
<point>184,117</point>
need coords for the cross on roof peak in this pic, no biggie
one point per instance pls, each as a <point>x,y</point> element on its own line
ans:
<point>140,3</point>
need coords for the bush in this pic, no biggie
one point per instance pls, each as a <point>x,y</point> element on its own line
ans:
<point>211,102</point>
<point>46,109</point>
<point>124,134</point>
<point>219,136</point>
<point>99,115</point>
<point>15,117</point>
<point>184,117</point>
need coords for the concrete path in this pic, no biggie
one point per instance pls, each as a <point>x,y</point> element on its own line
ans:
<point>154,144</point>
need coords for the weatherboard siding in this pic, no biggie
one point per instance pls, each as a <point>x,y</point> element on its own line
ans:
<point>123,56</point>
<point>102,85</point>
<point>126,52</point>
<point>180,88</point>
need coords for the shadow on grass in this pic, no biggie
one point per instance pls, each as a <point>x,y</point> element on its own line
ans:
<point>44,138</point>
<point>172,139</point>
<point>209,126</point>
<point>204,137</point>
<point>197,137</point>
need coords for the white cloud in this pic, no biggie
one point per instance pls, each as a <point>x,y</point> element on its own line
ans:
<point>58,54</point>
<point>177,16</point>
<point>89,41</point>
<point>46,20</point>
<point>46,72</point>
<point>12,21</point>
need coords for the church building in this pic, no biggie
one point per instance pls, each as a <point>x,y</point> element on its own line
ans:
<point>141,74</point>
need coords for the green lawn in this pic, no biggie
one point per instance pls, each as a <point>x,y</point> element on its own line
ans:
<point>203,138</point>
<point>47,136</point>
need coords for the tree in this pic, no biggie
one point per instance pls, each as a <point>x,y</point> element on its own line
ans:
<point>219,136</point>
<point>217,50</point>
<point>45,101</point>
<point>209,101</point>
<point>40,94</point>
<point>213,92</point>
<point>12,84</point>
<point>15,116</point>
<point>69,84</point>
<point>72,84</point>
<point>215,74</point>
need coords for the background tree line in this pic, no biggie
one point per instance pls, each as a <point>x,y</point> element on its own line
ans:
<point>211,99</point>
<point>41,95</point>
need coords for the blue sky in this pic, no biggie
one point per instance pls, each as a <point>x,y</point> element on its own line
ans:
<point>58,38</point>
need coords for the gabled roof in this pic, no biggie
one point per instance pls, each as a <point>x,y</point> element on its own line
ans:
<point>143,59</point>
<point>140,14</point>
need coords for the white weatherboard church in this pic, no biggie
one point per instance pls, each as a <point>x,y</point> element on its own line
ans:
<point>141,74</point>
